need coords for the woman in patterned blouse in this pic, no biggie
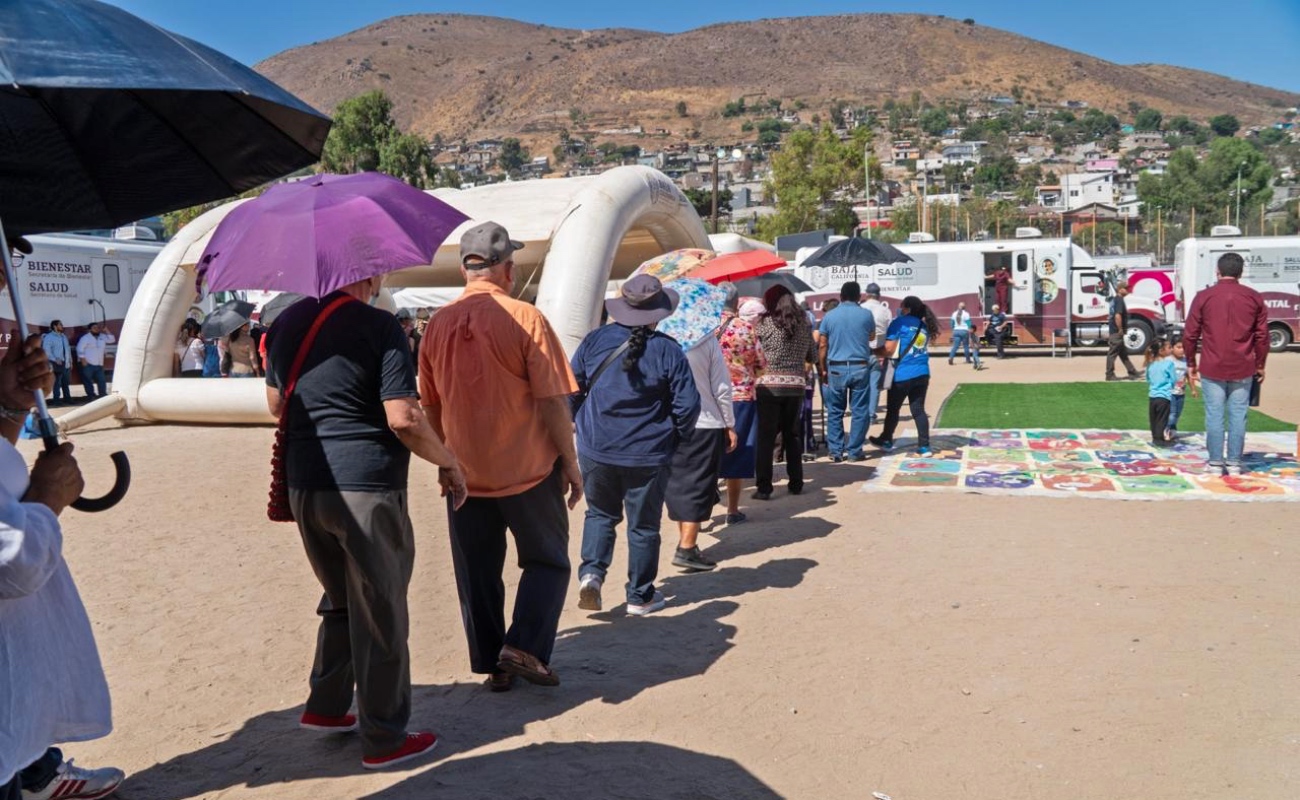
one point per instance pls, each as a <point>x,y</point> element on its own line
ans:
<point>744,356</point>
<point>787,341</point>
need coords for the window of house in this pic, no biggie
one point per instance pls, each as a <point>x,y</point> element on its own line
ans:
<point>1074,192</point>
<point>112,279</point>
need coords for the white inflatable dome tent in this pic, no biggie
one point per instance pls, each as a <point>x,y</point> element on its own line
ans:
<point>579,233</point>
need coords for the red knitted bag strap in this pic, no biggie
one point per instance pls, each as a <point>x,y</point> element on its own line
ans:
<point>305,348</point>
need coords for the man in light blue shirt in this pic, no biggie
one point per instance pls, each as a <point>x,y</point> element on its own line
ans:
<point>59,353</point>
<point>846,364</point>
<point>960,333</point>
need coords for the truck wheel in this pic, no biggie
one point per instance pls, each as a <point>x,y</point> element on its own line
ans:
<point>1138,337</point>
<point>1279,337</point>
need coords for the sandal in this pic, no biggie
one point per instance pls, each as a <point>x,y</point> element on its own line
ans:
<point>500,682</point>
<point>526,666</point>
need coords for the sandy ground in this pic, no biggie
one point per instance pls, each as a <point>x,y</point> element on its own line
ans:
<point>925,646</point>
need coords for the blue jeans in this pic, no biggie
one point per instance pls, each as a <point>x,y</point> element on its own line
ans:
<point>849,386</point>
<point>610,489</point>
<point>92,375</point>
<point>62,387</point>
<point>960,339</point>
<point>1233,397</point>
<point>1176,410</point>
<point>875,374</point>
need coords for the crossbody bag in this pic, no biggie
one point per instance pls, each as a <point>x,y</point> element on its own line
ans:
<point>277,506</point>
<point>887,380</point>
<point>604,365</point>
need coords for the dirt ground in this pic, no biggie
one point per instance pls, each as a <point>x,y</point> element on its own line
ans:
<point>919,645</point>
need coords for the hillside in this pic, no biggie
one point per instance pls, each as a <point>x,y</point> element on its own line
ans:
<point>469,76</point>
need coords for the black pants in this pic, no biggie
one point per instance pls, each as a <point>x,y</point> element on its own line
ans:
<point>539,520</point>
<point>913,391</point>
<point>1116,349</point>
<point>998,335</point>
<point>1158,411</point>
<point>779,413</point>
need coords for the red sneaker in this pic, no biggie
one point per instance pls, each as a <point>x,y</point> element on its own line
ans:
<point>319,722</point>
<point>417,745</point>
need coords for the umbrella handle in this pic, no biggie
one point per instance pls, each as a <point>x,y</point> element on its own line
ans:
<point>121,483</point>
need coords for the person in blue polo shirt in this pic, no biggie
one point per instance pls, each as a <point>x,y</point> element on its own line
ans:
<point>845,361</point>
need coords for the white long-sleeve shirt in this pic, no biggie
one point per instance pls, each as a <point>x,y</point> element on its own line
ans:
<point>92,348</point>
<point>713,382</point>
<point>52,687</point>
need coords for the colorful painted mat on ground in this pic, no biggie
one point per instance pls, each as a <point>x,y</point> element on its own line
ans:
<point>1115,465</point>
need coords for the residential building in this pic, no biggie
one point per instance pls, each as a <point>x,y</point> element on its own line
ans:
<point>963,153</point>
<point>903,150</point>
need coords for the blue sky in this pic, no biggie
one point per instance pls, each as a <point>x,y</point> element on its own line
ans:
<point>1254,40</point>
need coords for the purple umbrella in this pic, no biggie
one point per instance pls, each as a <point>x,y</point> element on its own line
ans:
<point>325,232</point>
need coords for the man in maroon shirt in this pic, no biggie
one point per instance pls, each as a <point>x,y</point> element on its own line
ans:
<point>1227,327</point>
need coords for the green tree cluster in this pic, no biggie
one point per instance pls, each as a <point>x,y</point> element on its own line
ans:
<point>513,156</point>
<point>365,138</point>
<point>1225,125</point>
<point>1148,119</point>
<point>1209,185</point>
<point>702,200</point>
<point>812,167</point>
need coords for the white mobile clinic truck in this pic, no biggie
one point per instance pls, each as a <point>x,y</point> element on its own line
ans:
<point>1272,269</point>
<point>77,280</point>
<point>1056,291</point>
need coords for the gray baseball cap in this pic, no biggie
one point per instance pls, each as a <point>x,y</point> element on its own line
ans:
<point>488,243</point>
<point>872,288</point>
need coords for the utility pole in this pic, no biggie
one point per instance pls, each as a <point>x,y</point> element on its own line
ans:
<point>866,169</point>
<point>715,191</point>
<point>1240,167</point>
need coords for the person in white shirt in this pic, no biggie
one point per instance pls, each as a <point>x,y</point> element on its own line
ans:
<point>91,349</point>
<point>693,482</point>
<point>880,310</point>
<point>53,689</point>
<point>960,333</point>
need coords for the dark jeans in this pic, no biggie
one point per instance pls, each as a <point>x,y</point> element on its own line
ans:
<point>362,549</point>
<point>539,520</point>
<point>913,391</point>
<point>37,775</point>
<point>998,335</point>
<point>1115,349</point>
<point>779,413</point>
<point>1158,412</point>
<point>92,375</point>
<point>62,389</point>
<point>609,490</point>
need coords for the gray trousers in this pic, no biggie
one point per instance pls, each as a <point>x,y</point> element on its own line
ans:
<point>362,549</point>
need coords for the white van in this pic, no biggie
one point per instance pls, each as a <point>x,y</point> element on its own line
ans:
<point>1272,269</point>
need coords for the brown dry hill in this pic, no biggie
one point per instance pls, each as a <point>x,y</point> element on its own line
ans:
<point>471,76</point>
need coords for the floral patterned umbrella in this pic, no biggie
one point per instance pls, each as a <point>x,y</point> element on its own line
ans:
<point>698,314</point>
<point>676,264</point>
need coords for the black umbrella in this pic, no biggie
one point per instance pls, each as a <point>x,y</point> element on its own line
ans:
<point>757,287</point>
<point>856,251</point>
<point>227,318</point>
<point>275,306</point>
<point>105,119</point>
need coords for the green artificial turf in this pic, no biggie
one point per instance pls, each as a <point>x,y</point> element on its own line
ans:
<point>1072,406</point>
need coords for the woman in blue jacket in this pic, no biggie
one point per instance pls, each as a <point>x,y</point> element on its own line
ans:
<point>636,399</point>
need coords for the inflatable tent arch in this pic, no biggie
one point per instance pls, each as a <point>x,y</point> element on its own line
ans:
<point>579,233</point>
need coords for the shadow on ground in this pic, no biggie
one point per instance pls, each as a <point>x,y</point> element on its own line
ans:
<point>606,770</point>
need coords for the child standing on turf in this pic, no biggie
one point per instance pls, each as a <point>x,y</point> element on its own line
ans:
<point>1160,390</point>
<point>1181,383</point>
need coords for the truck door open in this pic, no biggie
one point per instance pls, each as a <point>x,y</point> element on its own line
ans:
<point>1022,284</point>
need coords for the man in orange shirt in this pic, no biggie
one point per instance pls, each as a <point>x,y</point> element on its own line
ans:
<point>495,383</point>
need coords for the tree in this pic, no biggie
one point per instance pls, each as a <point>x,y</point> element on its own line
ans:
<point>1148,119</point>
<point>805,176</point>
<point>1225,125</point>
<point>681,108</point>
<point>934,121</point>
<point>362,126</point>
<point>407,157</point>
<point>1210,185</point>
<point>513,156</point>
<point>1271,136</point>
<point>996,174</point>
<point>702,199</point>
<point>1182,125</point>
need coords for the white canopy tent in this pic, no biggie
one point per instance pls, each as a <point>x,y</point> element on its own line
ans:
<point>579,233</point>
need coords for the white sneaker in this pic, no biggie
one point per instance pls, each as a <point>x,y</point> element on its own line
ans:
<point>589,593</point>
<point>74,783</point>
<point>1234,470</point>
<point>641,609</point>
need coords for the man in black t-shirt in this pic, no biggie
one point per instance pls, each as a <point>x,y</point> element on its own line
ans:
<point>1118,326</point>
<point>353,422</point>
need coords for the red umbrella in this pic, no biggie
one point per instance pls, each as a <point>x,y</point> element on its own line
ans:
<point>739,266</point>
